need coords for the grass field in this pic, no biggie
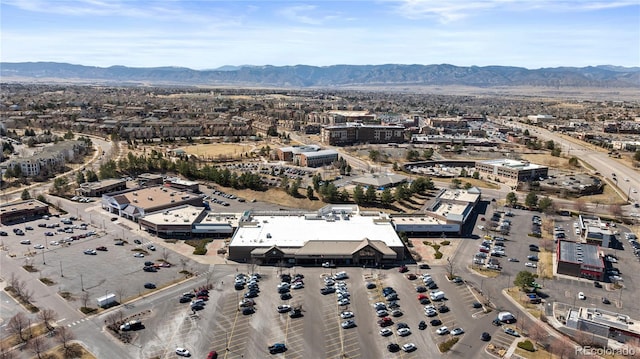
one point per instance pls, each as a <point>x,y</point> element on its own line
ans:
<point>217,150</point>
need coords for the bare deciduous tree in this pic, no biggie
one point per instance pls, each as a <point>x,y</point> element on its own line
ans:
<point>37,346</point>
<point>450,264</point>
<point>537,333</point>
<point>5,352</point>
<point>85,298</point>
<point>17,324</point>
<point>616,210</point>
<point>121,291</point>
<point>580,205</point>
<point>13,280</point>
<point>64,336</point>
<point>27,294</point>
<point>165,255</point>
<point>47,315</point>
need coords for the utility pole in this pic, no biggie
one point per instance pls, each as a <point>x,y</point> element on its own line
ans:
<point>61,275</point>
<point>81,283</point>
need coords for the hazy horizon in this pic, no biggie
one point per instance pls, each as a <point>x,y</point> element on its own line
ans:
<point>210,34</point>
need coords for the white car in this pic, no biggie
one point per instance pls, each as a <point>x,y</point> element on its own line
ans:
<point>385,332</point>
<point>140,255</point>
<point>344,301</point>
<point>403,332</point>
<point>457,331</point>
<point>346,315</point>
<point>284,285</point>
<point>182,352</point>
<point>25,241</point>
<point>54,243</point>
<point>38,246</point>
<point>581,296</point>
<point>531,265</point>
<point>409,347</point>
<point>382,313</point>
<point>442,331</point>
<point>297,285</point>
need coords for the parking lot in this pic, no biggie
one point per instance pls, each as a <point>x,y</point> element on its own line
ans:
<point>78,263</point>
<point>225,328</point>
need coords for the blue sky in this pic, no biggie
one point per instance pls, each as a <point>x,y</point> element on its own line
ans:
<point>208,34</point>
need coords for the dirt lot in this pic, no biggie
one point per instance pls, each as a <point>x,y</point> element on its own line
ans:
<point>214,150</point>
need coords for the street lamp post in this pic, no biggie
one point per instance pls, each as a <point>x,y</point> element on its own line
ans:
<point>81,283</point>
<point>61,274</point>
<point>43,261</point>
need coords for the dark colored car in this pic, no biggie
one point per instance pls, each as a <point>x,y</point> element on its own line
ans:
<point>485,337</point>
<point>477,305</point>
<point>435,322</point>
<point>424,266</point>
<point>295,313</point>
<point>149,269</point>
<point>422,325</point>
<point>443,309</point>
<point>285,296</point>
<point>597,284</point>
<point>248,310</point>
<point>421,289</point>
<point>137,241</point>
<point>393,348</point>
<point>605,301</point>
<point>277,348</point>
<point>185,299</point>
<point>150,286</point>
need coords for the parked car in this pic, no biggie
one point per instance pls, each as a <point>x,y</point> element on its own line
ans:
<point>101,248</point>
<point>277,348</point>
<point>150,285</point>
<point>90,251</point>
<point>457,331</point>
<point>284,308</point>
<point>485,337</point>
<point>442,331</point>
<point>511,331</point>
<point>385,332</point>
<point>182,352</point>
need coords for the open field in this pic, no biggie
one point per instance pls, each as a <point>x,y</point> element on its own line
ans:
<point>547,160</point>
<point>219,149</point>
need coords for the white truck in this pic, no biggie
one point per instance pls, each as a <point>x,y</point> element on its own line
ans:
<point>106,300</point>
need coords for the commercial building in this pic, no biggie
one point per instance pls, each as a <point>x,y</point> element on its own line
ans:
<point>352,133</point>
<point>341,234</point>
<point>22,211</point>
<point>149,179</point>
<point>97,189</point>
<point>447,215</point>
<point>512,172</point>
<point>136,203</point>
<point>288,153</point>
<point>188,221</point>
<point>380,180</point>
<point>613,326</point>
<point>318,158</point>
<point>595,231</point>
<point>183,185</point>
<point>580,260</point>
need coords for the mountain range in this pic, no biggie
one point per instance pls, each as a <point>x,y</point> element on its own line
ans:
<point>303,76</point>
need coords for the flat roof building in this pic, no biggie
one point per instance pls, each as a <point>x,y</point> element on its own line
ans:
<point>136,203</point>
<point>22,211</point>
<point>446,215</point>
<point>605,324</point>
<point>595,231</point>
<point>97,189</point>
<point>580,260</point>
<point>338,233</point>
<point>188,221</point>
<point>317,158</point>
<point>380,180</point>
<point>512,172</point>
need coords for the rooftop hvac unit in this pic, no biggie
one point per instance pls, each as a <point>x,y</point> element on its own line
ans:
<point>135,193</point>
<point>268,235</point>
<point>135,200</point>
<point>150,198</point>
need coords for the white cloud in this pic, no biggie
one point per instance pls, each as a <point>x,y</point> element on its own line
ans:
<point>447,11</point>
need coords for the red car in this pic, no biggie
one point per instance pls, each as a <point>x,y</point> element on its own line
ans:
<point>385,322</point>
<point>422,296</point>
<point>212,355</point>
<point>403,269</point>
<point>411,276</point>
<point>101,248</point>
<point>203,297</point>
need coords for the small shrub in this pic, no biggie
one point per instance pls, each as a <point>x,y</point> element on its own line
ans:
<point>445,243</point>
<point>65,295</point>
<point>446,346</point>
<point>438,255</point>
<point>30,268</point>
<point>202,250</point>
<point>88,310</point>
<point>526,345</point>
<point>436,247</point>
<point>47,281</point>
<point>426,243</point>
